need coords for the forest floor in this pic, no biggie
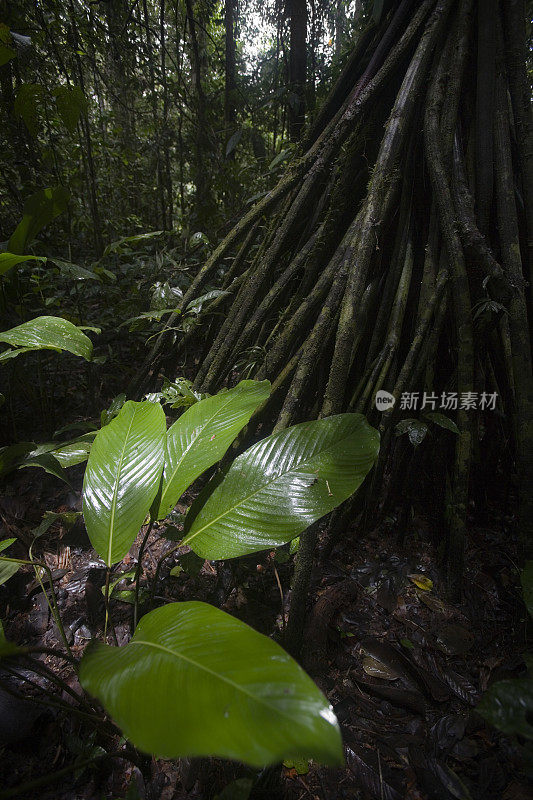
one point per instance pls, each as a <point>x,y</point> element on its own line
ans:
<point>403,668</point>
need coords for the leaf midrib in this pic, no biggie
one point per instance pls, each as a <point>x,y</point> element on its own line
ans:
<point>115,489</point>
<point>214,674</point>
<point>212,522</point>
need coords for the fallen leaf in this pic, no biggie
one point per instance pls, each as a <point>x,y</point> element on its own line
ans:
<point>422,581</point>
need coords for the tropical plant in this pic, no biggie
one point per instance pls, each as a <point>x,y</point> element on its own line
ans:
<point>193,680</point>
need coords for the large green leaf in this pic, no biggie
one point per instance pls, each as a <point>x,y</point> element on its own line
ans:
<point>51,333</point>
<point>194,681</point>
<point>277,488</point>
<point>122,477</point>
<point>10,260</point>
<point>508,705</point>
<point>201,436</point>
<point>39,209</point>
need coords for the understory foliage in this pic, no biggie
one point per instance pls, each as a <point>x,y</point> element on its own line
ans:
<point>194,681</point>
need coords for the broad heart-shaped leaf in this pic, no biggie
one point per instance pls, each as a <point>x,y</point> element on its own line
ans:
<point>50,333</point>
<point>194,681</point>
<point>122,477</point>
<point>279,486</point>
<point>201,436</point>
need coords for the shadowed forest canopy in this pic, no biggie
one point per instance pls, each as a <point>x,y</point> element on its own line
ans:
<point>330,199</point>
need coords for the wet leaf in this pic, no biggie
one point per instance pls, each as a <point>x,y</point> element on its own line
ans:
<point>53,333</point>
<point>194,681</point>
<point>122,477</point>
<point>454,640</point>
<point>508,705</point>
<point>269,494</point>
<point>378,670</point>
<point>422,581</point>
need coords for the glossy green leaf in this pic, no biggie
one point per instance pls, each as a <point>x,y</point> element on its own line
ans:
<point>194,681</point>
<point>72,453</point>
<point>201,436</point>
<point>122,477</point>
<point>71,104</point>
<point>39,210</point>
<point>49,463</point>
<point>74,271</point>
<point>10,260</point>
<point>277,488</point>
<point>508,705</point>
<point>196,306</point>
<point>49,333</point>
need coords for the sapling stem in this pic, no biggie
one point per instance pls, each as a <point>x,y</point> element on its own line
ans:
<point>52,602</point>
<point>138,573</point>
<point>158,570</point>
<point>106,598</point>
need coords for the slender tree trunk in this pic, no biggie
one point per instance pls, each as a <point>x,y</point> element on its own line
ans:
<point>165,132</point>
<point>86,133</point>
<point>297,12</point>
<point>160,189</point>
<point>204,200</point>
<point>230,110</point>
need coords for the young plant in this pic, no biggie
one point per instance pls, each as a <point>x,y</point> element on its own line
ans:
<point>194,681</point>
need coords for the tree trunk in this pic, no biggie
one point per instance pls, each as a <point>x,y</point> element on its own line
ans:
<point>204,201</point>
<point>369,266</point>
<point>297,12</point>
<point>230,110</point>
